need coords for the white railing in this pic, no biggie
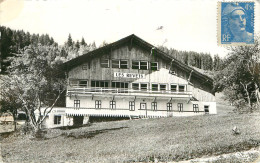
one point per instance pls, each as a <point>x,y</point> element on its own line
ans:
<point>126,91</point>
<point>127,113</point>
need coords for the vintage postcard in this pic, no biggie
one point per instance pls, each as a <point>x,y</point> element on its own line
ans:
<point>236,23</point>
<point>111,81</point>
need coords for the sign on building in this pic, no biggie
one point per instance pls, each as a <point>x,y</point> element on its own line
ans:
<point>129,75</point>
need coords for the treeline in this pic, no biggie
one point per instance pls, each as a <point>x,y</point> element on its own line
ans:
<point>200,60</point>
<point>12,42</point>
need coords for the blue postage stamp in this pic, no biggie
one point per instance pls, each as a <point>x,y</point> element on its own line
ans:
<point>236,23</point>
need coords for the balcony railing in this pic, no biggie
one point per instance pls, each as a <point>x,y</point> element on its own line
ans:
<point>126,91</point>
<point>106,112</point>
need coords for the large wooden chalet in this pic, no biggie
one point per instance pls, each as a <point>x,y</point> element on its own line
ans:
<point>132,78</point>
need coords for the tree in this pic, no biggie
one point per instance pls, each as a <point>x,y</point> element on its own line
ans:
<point>77,45</point>
<point>8,102</point>
<point>83,42</point>
<point>69,42</point>
<point>240,76</point>
<point>33,74</point>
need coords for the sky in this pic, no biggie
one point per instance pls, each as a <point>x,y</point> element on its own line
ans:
<point>189,25</point>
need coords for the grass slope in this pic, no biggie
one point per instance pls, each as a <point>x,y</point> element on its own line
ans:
<point>166,139</point>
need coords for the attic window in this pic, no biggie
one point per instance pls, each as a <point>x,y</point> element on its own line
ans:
<point>104,63</point>
<point>154,65</point>
<point>135,65</point>
<point>123,64</point>
<point>141,65</point>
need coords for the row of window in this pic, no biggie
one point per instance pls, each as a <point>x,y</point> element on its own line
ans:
<point>123,64</point>
<point>135,86</point>
<point>142,105</point>
<point>57,118</point>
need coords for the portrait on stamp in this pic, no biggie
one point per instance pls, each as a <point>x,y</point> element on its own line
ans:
<point>237,23</point>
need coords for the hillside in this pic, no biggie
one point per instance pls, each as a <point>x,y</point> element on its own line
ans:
<point>165,139</point>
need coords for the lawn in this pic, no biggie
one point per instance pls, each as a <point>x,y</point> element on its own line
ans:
<point>165,139</point>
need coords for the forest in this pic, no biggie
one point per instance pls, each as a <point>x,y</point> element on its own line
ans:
<point>14,41</point>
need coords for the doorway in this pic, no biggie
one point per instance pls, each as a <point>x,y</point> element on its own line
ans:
<point>78,120</point>
<point>143,107</point>
<point>206,109</point>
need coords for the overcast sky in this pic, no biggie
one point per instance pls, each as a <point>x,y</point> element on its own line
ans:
<point>187,24</point>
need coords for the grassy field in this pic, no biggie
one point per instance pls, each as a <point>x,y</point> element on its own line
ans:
<point>165,139</point>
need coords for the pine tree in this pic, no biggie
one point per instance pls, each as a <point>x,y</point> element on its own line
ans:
<point>69,41</point>
<point>77,45</point>
<point>82,42</point>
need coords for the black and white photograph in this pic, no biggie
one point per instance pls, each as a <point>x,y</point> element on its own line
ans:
<point>129,81</point>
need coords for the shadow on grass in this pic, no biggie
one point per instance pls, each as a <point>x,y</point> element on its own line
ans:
<point>6,134</point>
<point>88,134</point>
<point>73,127</point>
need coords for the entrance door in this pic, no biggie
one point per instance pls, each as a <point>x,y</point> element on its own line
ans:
<point>143,107</point>
<point>206,109</point>
<point>78,120</point>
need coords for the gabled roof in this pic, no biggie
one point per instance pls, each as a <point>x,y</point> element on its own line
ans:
<point>130,41</point>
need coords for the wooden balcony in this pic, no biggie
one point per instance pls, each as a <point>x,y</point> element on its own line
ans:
<point>127,92</point>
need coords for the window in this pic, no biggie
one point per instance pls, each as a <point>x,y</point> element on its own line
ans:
<point>83,83</point>
<point>119,85</point>
<point>131,105</point>
<point>195,108</point>
<point>180,107</point>
<point>135,86</point>
<point>154,65</point>
<point>181,88</point>
<point>103,84</point>
<point>143,65</point>
<point>57,119</point>
<point>123,86</point>
<point>206,109</point>
<point>98,104</point>
<point>143,86</point>
<point>142,106</point>
<point>95,83</point>
<point>76,103</point>
<point>104,63</point>
<point>154,106</point>
<point>169,106</point>
<point>115,64</point>
<point>155,87</point>
<point>162,87</point>
<point>119,64</point>
<point>174,88</point>
<point>112,104</point>
<point>123,64</point>
<point>135,64</point>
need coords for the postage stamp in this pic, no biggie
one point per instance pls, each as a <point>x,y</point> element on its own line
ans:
<point>236,23</point>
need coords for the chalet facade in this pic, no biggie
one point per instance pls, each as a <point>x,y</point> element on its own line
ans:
<point>132,78</point>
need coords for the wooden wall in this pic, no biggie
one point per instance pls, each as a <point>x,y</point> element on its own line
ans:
<point>95,72</point>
